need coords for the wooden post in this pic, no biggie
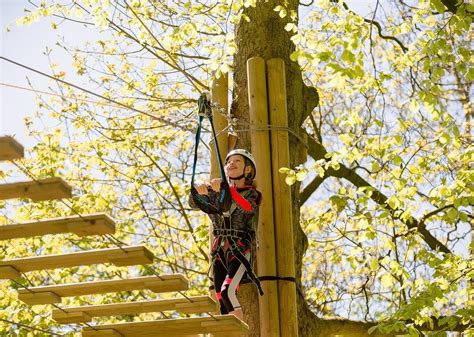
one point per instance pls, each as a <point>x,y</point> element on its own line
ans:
<point>266,264</point>
<point>220,99</point>
<point>282,204</point>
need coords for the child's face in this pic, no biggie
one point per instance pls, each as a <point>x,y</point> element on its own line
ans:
<point>234,166</point>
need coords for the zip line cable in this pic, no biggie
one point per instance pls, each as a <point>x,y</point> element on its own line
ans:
<point>58,95</point>
<point>14,86</point>
<point>231,121</point>
<point>163,120</point>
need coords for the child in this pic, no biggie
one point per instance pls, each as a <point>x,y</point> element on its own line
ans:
<point>235,230</point>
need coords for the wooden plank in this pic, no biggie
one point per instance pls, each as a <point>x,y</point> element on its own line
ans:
<point>193,305</point>
<point>164,283</point>
<point>38,190</point>
<point>109,333</point>
<point>10,149</point>
<point>94,224</point>
<point>46,297</point>
<point>172,327</point>
<point>130,255</point>
<point>9,272</point>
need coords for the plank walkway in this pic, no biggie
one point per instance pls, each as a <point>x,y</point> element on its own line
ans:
<point>125,256</point>
<point>218,324</point>
<point>190,305</point>
<point>54,293</point>
<point>93,224</point>
<point>38,190</point>
<point>10,149</point>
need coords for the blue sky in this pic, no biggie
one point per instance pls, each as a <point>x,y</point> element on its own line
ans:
<point>26,45</point>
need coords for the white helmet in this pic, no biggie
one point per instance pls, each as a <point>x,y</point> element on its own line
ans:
<point>243,153</point>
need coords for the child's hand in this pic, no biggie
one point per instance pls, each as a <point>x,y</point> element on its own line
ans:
<point>202,189</point>
<point>216,184</point>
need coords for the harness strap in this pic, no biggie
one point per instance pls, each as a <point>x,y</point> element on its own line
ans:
<point>240,200</point>
<point>235,250</point>
<point>238,255</point>
<point>225,198</point>
<point>277,278</point>
<point>228,232</point>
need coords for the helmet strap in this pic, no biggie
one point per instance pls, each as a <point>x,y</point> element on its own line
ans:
<point>237,178</point>
<point>242,176</point>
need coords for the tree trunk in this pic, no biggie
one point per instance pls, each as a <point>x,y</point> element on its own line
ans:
<point>264,36</point>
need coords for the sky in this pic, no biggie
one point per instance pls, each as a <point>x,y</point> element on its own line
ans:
<point>26,45</point>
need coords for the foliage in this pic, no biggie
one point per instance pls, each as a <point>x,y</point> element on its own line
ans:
<point>397,114</point>
<point>393,111</point>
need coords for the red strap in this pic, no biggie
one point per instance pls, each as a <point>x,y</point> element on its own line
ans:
<point>240,200</point>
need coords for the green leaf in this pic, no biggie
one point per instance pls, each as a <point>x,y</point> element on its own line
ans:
<point>348,56</point>
<point>445,138</point>
<point>374,264</point>
<point>290,179</point>
<point>386,280</point>
<point>301,175</point>
<point>393,202</point>
<point>438,5</point>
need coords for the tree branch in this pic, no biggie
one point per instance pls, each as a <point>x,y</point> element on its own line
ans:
<point>452,5</point>
<point>310,188</point>
<point>379,28</point>
<point>316,149</point>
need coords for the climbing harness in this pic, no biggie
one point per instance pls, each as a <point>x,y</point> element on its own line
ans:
<point>225,197</point>
<point>234,241</point>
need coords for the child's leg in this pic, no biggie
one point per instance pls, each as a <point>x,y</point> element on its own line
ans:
<point>235,274</point>
<point>220,272</point>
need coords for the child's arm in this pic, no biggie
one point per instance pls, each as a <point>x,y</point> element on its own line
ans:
<point>208,190</point>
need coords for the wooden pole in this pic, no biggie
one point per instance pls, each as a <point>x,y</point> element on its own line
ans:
<point>282,204</point>
<point>266,263</point>
<point>220,99</point>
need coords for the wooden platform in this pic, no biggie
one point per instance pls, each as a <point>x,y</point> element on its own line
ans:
<point>193,305</point>
<point>10,149</point>
<point>53,293</point>
<point>93,224</point>
<point>125,256</point>
<point>221,324</point>
<point>42,189</point>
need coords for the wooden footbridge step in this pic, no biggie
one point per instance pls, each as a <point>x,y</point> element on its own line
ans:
<point>221,325</point>
<point>124,256</point>
<point>54,293</point>
<point>38,190</point>
<point>10,149</point>
<point>93,224</point>
<point>190,305</point>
